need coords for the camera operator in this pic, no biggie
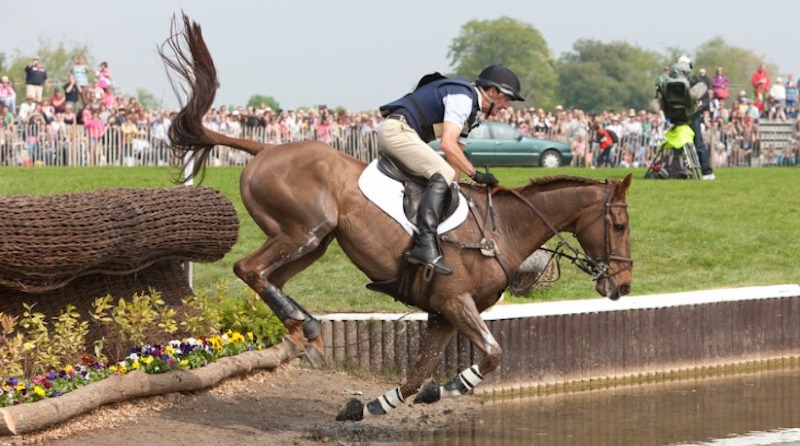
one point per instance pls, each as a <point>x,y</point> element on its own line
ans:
<point>700,118</point>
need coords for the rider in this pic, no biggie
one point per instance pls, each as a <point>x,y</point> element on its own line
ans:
<point>446,108</point>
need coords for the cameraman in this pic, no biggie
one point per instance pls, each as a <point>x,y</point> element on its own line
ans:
<point>700,118</point>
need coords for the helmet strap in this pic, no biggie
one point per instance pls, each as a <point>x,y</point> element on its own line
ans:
<point>491,101</point>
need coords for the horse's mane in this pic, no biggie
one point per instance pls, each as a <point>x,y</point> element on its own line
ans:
<point>543,184</point>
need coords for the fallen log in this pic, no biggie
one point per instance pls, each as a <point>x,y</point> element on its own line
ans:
<point>31,417</point>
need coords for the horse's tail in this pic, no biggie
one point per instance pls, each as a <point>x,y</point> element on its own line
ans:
<point>199,83</point>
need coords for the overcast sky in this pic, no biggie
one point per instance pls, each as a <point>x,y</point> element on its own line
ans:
<point>360,54</point>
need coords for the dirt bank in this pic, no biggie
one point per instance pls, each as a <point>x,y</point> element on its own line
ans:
<point>291,405</point>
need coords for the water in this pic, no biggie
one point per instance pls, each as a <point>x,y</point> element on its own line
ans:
<point>755,409</point>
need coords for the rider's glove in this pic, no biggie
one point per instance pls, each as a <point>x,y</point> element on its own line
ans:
<point>484,178</point>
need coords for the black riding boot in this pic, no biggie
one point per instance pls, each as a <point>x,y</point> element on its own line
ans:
<point>426,247</point>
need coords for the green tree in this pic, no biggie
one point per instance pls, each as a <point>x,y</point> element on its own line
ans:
<point>147,99</point>
<point>598,76</point>
<point>269,101</point>
<point>513,43</point>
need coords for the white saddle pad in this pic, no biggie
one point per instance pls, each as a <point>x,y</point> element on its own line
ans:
<point>387,194</point>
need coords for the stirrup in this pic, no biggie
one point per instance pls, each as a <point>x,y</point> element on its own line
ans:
<point>430,268</point>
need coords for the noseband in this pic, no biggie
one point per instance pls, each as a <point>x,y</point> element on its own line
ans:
<point>596,267</point>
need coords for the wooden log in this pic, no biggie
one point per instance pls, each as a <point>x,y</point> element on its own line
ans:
<point>30,417</point>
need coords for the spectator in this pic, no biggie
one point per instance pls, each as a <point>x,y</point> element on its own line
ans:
<point>35,79</point>
<point>26,109</point>
<point>777,100</point>
<point>760,82</point>
<point>58,102</point>
<point>702,76</point>
<point>103,76</point>
<point>719,84</point>
<point>578,149</point>
<point>96,129</point>
<point>69,114</point>
<point>80,71</point>
<point>8,96</point>
<point>791,97</point>
<point>8,117</point>
<point>606,143</point>
<point>72,91</point>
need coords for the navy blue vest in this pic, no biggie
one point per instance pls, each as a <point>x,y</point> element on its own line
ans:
<point>424,107</point>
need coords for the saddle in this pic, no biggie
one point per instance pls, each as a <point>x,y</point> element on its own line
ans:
<point>385,183</point>
<point>413,189</point>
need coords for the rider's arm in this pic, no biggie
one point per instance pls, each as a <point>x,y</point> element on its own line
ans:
<point>453,150</point>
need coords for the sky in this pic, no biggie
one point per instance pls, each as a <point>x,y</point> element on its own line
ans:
<point>360,54</point>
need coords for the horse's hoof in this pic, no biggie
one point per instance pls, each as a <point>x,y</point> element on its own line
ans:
<point>315,356</point>
<point>353,410</point>
<point>430,392</point>
<point>291,349</point>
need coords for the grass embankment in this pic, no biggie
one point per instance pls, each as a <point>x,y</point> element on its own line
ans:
<point>739,230</point>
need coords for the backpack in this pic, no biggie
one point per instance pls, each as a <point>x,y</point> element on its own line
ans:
<point>613,135</point>
<point>428,78</point>
<point>676,101</point>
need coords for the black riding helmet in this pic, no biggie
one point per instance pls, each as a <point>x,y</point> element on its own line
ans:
<point>500,77</point>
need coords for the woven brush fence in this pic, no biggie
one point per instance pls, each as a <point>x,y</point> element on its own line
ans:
<point>72,249</point>
<point>47,242</point>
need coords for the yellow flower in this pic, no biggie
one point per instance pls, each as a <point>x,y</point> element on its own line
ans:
<point>250,336</point>
<point>135,365</point>
<point>184,362</point>
<point>170,351</point>
<point>148,359</point>
<point>237,338</point>
<point>20,386</point>
<point>123,370</point>
<point>38,391</point>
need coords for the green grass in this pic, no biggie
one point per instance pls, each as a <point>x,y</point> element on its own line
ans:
<point>739,230</point>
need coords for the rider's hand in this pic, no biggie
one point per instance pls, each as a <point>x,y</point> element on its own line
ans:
<point>485,178</point>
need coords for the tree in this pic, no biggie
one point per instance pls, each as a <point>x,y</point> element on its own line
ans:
<point>147,99</point>
<point>269,101</point>
<point>513,43</point>
<point>598,76</point>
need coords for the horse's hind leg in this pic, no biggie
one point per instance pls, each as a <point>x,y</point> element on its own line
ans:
<point>268,269</point>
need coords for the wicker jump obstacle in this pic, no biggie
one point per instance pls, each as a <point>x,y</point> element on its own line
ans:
<point>73,248</point>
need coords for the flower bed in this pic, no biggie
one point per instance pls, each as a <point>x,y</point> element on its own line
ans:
<point>186,354</point>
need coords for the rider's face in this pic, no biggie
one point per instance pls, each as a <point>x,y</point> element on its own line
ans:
<point>501,101</point>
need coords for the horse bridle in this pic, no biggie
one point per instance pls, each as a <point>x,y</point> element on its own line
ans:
<point>597,267</point>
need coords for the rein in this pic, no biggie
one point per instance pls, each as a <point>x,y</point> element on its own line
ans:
<point>598,267</point>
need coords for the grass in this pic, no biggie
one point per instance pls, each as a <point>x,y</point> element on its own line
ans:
<point>739,230</point>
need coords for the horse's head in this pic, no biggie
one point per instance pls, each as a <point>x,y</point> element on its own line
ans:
<point>604,233</point>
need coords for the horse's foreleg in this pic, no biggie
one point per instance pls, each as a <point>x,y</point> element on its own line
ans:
<point>467,320</point>
<point>438,333</point>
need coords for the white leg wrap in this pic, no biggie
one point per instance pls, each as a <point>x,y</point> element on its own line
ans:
<point>389,401</point>
<point>463,383</point>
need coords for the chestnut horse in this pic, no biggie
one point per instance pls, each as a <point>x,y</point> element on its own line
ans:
<point>303,195</point>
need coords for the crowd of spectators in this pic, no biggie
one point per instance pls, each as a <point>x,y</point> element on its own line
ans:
<point>86,113</point>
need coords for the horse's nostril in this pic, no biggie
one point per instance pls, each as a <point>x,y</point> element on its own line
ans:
<point>624,289</point>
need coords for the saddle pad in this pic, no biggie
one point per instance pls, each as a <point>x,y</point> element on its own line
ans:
<point>387,194</point>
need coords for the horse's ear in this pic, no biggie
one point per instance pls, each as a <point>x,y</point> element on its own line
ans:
<point>623,187</point>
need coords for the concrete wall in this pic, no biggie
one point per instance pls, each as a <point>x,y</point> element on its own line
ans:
<point>597,339</point>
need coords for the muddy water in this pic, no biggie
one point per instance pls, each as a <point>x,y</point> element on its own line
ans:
<point>754,409</point>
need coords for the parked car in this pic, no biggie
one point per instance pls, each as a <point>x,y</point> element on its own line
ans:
<point>499,144</point>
